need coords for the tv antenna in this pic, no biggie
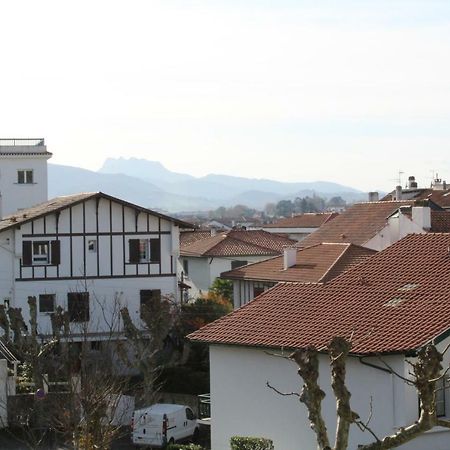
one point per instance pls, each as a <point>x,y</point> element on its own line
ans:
<point>398,180</point>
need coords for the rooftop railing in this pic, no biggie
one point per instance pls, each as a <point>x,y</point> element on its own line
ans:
<point>19,142</point>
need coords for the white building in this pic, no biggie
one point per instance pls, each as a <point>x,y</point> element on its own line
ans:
<point>83,252</point>
<point>390,306</point>
<point>23,174</point>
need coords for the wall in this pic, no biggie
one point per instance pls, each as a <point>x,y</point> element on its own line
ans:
<point>16,196</point>
<point>242,404</point>
<point>243,291</point>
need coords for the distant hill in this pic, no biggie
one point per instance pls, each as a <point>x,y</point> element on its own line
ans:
<point>150,184</point>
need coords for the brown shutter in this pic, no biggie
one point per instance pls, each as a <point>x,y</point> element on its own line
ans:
<point>27,257</point>
<point>55,252</point>
<point>155,250</point>
<point>134,250</point>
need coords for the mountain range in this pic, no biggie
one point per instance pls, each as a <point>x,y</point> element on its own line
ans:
<point>150,184</point>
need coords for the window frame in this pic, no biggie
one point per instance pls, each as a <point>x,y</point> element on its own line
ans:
<point>48,296</point>
<point>37,257</point>
<point>25,176</point>
<point>144,250</point>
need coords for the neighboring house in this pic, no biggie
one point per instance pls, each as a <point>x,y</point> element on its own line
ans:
<point>319,263</point>
<point>377,225</point>
<point>23,174</point>
<point>390,306</point>
<point>84,252</point>
<point>299,226</point>
<point>438,193</point>
<point>203,260</point>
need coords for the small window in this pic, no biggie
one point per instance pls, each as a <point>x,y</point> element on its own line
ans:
<point>235,264</point>
<point>144,250</point>
<point>40,252</point>
<point>149,301</point>
<point>186,266</point>
<point>92,245</point>
<point>25,176</point>
<point>78,306</point>
<point>47,303</point>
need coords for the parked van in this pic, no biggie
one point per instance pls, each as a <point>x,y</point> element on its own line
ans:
<point>162,424</point>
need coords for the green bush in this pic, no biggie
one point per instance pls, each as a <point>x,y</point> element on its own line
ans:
<point>184,447</point>
<point>250,443</point>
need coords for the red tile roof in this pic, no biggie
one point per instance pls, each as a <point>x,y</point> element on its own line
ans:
<point>318,263</point>
<point>356,225</point>
<point>437,196</point>
<point>188,237</point>
<point>396,301</point>
<point>308,220</point>
<point>440,221</point>
<point>238,243</point>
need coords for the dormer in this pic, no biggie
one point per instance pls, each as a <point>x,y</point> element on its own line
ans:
<point>23,174</point>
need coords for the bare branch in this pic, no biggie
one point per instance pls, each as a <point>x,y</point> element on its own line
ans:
<point>285,394</point>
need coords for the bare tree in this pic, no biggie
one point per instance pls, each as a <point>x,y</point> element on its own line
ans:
<point>426,373</point>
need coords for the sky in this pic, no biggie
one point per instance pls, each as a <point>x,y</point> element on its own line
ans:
<point>350,91</point>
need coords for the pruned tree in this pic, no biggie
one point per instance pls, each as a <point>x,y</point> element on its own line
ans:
<point>425,374</point>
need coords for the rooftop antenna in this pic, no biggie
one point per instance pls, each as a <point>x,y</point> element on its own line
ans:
<point>399,179</point>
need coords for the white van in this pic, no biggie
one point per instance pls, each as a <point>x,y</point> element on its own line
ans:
<point>162,424</point>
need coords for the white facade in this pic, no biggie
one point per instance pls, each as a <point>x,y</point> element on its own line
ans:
<point>202,271</point>
<point>242,404</point>
<point>246,290</point>
<point>399,225</point>
<point>93,255</point>
<point>23,174</point>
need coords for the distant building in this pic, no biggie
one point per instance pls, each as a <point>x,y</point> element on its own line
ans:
<point>23,174</point>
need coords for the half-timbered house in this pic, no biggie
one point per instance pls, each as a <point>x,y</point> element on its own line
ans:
<point>89,253</point>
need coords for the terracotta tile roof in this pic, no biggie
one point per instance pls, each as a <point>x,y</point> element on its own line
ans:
<point>308,220</point>
<point>440,221</point>
<point>59,203</point>
<point>396,301</point>
<point>188,237</point>
<point>238,243</point>
<point>356,225</point>
<point>319,263</point>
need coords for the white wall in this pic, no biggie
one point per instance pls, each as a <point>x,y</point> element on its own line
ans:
<point>242,404</point>
<point>243,292</point>
<point>16,196</point>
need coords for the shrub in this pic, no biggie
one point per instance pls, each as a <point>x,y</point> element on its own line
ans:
<point>184,447</point>
<point>250,443</point>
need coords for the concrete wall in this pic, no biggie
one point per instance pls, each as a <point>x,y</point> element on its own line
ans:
<point>242,404</point>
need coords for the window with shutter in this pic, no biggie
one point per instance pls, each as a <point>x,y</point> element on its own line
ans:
<point>149,301</point>
<point>155,250</point>
<point>55,252</point>
<point>133,250</point>
<point>27,254</point>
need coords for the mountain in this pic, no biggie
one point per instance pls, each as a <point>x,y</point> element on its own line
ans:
<point>150,184</point>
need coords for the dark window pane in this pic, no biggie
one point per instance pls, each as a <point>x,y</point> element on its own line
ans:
<point>235,264</point>
<point>78,306</point>
<point>46,303</point>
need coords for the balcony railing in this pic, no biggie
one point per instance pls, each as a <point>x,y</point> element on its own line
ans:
<point>19,142</point>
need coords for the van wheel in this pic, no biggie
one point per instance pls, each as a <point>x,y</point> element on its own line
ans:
<point>195,436</point>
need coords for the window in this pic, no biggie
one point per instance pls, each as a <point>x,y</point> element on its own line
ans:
<point>235,264</point>
<point>25,177</point>
<point>150,302</point>
<point>47,303</point>
<point>186,266</point>
<point>190,414</point>
<point>92,245</point>
<point>41,253</point>
<point>259,288</point>
<point>78,306</point>
<point>144,250</point>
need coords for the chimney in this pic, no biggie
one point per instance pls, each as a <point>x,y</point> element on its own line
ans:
<point>289,257</point>
<point>398,193</point>
<point>421,215</point>
<point>373,196</point>
<point>412,183</point>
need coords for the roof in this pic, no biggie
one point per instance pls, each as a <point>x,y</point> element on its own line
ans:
<point>356,225</point>
<point>60,203</point>
<point>188,237</point>
<point>396,301</point>
<point>440,221</point>
<point>318,263</point>
<point>238,243</point>
<point>308,220</point>
<point>440,197</point>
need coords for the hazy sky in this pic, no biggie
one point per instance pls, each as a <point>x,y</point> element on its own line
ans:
<point>345,91</point>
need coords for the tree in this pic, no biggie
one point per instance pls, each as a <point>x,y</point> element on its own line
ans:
<point>222,288</point>
<point>426,372</point>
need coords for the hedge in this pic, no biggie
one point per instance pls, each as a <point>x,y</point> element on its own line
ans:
<point>250,443</point>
